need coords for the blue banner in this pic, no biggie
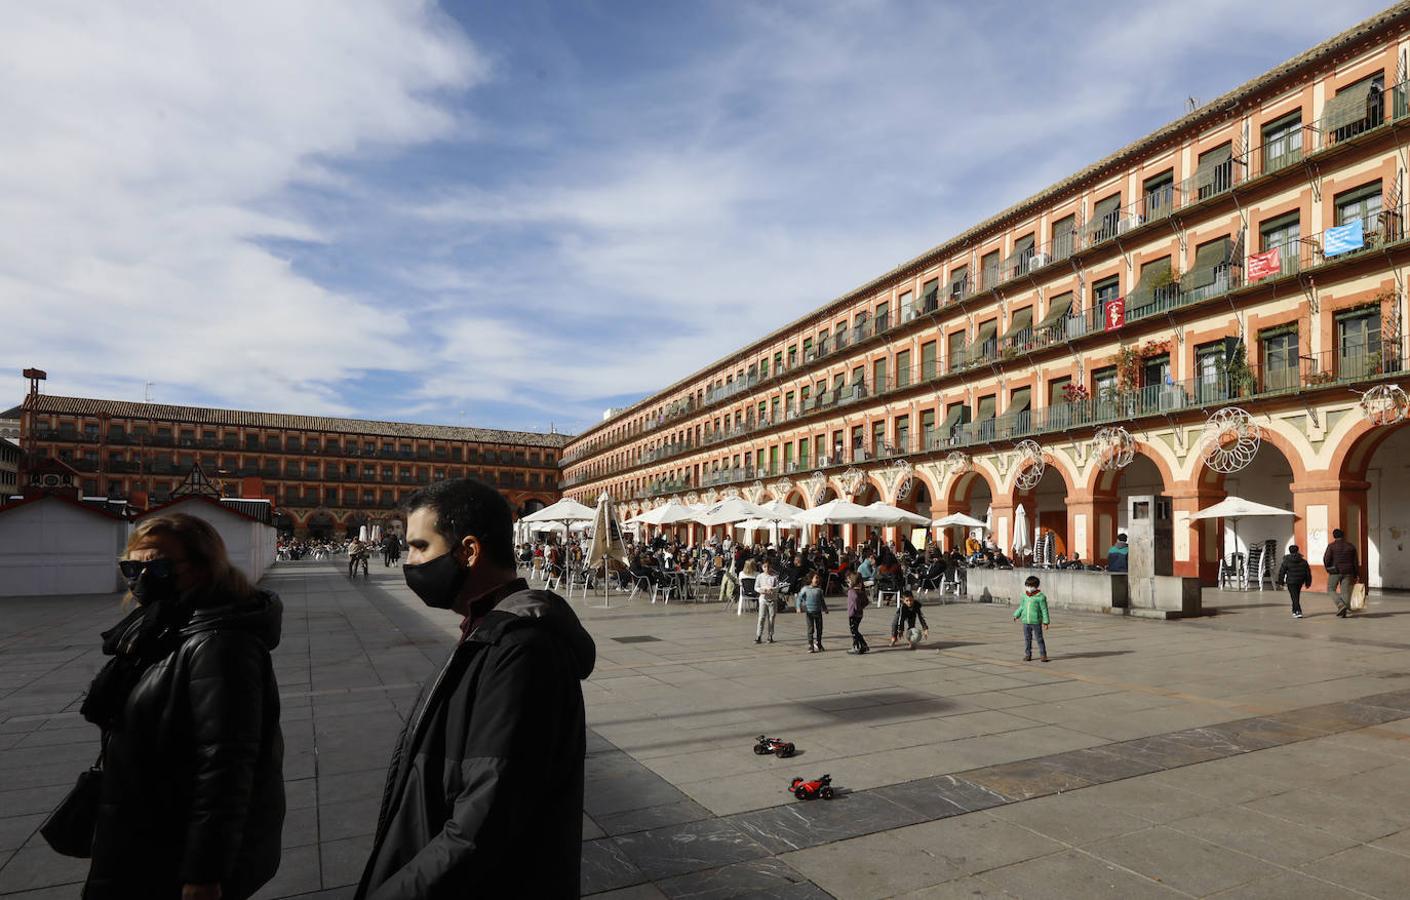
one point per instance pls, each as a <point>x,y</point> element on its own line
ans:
<point>1344,238</point>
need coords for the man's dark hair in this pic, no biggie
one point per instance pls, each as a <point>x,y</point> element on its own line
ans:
<point>1338,534</point>
<point>465,506</point>
<point>1121,537</point>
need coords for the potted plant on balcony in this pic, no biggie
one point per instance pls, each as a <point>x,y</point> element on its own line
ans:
<point>1237,373</point>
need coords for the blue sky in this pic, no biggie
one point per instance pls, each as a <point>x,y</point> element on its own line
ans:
<point>511,214</point>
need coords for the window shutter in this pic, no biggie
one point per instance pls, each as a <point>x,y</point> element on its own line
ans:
<point>1347,107</point>
<point>1060,307</point>
<point>1208,259</point>
<point>1210,163</point>
<point>1020,400</point>
<point>1022,319</point>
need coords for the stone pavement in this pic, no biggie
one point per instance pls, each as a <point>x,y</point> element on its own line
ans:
<point>1240,755</point>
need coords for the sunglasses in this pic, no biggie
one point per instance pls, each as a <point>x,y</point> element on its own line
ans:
<point>157,568</point>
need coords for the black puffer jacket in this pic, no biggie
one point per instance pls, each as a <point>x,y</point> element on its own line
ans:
<point>193,785</point>
<point>1341,557</point>
<point>484,796</point>
<point>1295,570</point>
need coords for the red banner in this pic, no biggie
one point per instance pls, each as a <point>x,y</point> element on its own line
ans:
<point>1265,264</point>
<point>1115,313</point>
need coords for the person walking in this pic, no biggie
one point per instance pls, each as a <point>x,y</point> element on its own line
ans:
<point>766,586</point>
<point>484,792</point>
<point>814,605</point>
<point>192,796</point>
<point>856,606</point>
<point>1342,565</point>
<point>1296,574</point>
<point>1033,613</point>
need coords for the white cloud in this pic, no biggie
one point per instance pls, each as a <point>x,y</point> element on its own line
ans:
<point>147,151</point>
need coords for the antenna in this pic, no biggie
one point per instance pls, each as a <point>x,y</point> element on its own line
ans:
<point>1191,104</point>
<point>147,394</point>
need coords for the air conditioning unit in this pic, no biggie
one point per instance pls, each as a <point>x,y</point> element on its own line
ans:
<point>1038,260</point>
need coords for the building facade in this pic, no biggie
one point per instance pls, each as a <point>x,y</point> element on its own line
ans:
<point>1216,310</point>
<point>325,476</point>
<point>9,453</point>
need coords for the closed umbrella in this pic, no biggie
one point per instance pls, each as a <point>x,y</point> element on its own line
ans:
<point>1020,531</point>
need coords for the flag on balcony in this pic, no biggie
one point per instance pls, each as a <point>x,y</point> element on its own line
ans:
<point>1265,264</point>
<point>1115,313</point>
<point>1344,238</point>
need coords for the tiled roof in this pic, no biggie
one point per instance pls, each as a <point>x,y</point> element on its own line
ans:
<point>200,415</point>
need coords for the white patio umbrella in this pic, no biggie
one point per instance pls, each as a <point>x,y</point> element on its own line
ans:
<point>959,520</point>
<point>778,511</point>
<point>1235,508</point>
<point>565,510</point>
<point>729,511</point>
<point>1020,532</point>
<point>893,515</point>
<point>989,518</point>
<point>672,513</point>
<point>836,512</point>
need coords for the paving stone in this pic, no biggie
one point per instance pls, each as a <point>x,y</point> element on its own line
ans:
<point>1182,861</point>
<point>765,878</point>
<point>653,817</point>
<point>606,866</point>
<point>1025,779</point>
<point>678,849</point>
<point>1072,873</point>
<point>39,867</point>
<point>812,822</point>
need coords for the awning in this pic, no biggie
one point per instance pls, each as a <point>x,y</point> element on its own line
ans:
<point>1059,308</point>
<point>986,332</point>
<point>1145,288</point>
<point>1022,320</point>
<point>986,408</point>
<point>952,418</point>
<point>1208,259</point>
<point>1347,107</point>
<point>1210,163</point>
<point>1020,400</point>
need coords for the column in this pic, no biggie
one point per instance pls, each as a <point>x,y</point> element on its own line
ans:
<point>1324,503</point>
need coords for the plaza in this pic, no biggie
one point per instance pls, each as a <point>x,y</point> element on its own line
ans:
<point>1241,754</point>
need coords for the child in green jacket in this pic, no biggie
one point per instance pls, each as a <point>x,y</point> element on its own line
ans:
<point>1033,612</point>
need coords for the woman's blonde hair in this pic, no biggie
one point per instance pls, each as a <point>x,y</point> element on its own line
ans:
<point>750,568</point>
<point>203,548</point>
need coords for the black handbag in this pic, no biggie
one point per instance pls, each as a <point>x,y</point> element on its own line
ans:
<point>69,828</point>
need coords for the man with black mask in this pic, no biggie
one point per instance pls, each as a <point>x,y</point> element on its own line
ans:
<point>484,793</point>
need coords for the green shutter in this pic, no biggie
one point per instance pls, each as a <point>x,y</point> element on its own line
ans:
<point>1020,400</point>
<point>1021,321</point>
<point>1210,163</point>
<point>1060,307</point>
<point>986,408</point>
<point>1208,259</point>
<point>1347,107</point>
<point>952,418</point>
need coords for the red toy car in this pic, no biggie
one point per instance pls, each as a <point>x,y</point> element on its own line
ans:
<point>811,790</point>
<point>783,749</point>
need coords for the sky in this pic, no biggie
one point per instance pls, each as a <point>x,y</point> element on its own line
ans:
<point>518,214</point>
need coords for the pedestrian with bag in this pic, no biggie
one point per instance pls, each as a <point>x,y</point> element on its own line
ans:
<point>1342,565</point>
<point>1296,573</point>
<point>191,796</point>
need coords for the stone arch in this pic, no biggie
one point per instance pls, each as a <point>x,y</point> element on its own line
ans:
<point>961,485</point>
<point>1099,481</point>
<point>1273,434</point>
<point>1053,461</point>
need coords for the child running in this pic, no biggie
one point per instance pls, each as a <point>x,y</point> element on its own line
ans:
<point>1033,612</point>
<point>908,614</point>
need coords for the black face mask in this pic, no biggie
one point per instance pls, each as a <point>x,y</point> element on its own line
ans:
<point>151,587</point>
<point>438,581</point>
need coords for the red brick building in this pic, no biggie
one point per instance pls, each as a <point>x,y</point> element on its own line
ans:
<point>326,476</point>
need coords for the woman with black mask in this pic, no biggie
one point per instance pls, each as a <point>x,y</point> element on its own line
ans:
<point>192,798</point>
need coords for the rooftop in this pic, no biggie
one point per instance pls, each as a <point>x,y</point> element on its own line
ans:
<point>200,415</point>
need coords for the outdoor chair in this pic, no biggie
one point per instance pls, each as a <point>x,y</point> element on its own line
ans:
<point>640,583</point>
<point>1232,572</point>
<point>583,580</point>
<point>888,585</point>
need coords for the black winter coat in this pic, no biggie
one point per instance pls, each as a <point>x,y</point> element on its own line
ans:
<point>1295,570</point>
<point>193,783</point>
<point>484,795</point>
